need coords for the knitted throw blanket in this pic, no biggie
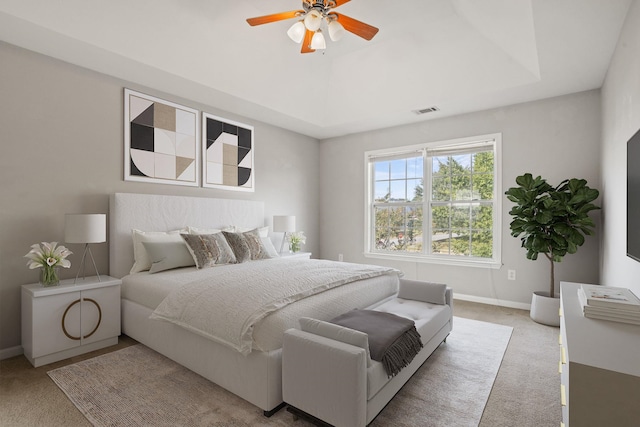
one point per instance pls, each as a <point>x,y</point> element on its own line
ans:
<point>393,340</point>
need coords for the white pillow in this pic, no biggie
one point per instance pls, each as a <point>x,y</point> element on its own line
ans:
<point>268,245</point>
<point>168,255</point>
<point>142,262</point>
<point>338,333</point>
<point>196,230</point>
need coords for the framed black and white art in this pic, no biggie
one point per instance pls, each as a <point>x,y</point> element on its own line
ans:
<point>161,141</point>
<point>227,154</point>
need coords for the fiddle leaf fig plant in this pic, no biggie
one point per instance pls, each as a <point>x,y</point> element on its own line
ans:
<point>551,220</point>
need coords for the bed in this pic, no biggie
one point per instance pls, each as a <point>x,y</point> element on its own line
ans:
<point>251,367</point>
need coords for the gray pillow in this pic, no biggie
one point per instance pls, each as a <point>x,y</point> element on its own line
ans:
<point>247,246</point>
<point>207,250</point>
<point>417,290</point>
<point>168,255</point>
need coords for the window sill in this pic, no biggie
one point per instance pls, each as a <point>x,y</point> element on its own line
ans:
<point>436,260</point>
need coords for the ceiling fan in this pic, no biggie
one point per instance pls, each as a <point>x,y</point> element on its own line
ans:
<point>307,29</point>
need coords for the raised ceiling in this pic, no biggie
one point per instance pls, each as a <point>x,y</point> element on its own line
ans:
<point>458,55</point>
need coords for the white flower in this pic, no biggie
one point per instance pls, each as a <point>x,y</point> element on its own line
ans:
<point>48,255</point>
<point>297,237</point>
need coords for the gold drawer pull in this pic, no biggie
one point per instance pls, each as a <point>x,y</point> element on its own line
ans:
<point>560,339</point>
<point>563,355</point>
<point>563,395</point>
<point>560,367</point>
<point>64,329</point>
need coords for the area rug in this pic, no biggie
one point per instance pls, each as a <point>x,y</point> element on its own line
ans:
<point>136,386</point>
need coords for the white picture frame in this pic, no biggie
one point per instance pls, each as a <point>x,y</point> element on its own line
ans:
<point>228,149</point>
<point>161,141</point>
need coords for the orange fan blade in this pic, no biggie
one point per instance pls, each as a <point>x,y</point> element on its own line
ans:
<point>273,18</point>
<point>340,2</point>
<point>306,43</point>
<point>356,27</point>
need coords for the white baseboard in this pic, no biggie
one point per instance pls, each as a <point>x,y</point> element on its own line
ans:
<point>492,301</point>
<point>6,353</point>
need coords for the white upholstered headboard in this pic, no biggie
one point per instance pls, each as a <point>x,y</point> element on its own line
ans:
<point>149,212</point>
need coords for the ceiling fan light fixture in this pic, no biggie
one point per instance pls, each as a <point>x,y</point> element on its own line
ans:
<point>296,32</point>
<point>318,42</point>
<point>317,14</point>
<point>313,20</point>
<point>336,30</point>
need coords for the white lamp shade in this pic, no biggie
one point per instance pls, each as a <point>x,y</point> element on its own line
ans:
<point>85,228</point>
<point>317,41</point>
<point>296,32</point>
<point>313,20</point>
<point>284,223</point>
<point>336,30</point>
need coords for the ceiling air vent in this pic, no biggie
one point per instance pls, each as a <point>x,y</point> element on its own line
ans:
<point>426,110</point>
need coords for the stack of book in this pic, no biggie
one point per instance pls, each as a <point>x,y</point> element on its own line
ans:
<point>609,303</point>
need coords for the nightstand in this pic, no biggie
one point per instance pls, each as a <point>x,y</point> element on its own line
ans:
<point>67,320</point>
<point>306,255</point>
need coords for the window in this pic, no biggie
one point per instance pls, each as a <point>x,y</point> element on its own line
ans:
<point>436,202</point>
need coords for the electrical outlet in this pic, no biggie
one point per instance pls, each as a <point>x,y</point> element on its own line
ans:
<point>511,274</point>
<point>340,257</point>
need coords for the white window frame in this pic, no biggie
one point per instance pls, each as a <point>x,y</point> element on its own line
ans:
<point>369,232</point>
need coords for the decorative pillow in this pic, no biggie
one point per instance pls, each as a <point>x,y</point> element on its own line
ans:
<point>142,262</point>
<point>434,293</point>
<point>238,245</point>
<point>247,246</point>
<point>268,246</point>
<point>207,250</point>
<point>263,231</point>
<point>336,332</point>
<point>168,255</point>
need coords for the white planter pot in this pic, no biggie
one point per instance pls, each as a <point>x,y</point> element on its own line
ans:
<point>544,309</point>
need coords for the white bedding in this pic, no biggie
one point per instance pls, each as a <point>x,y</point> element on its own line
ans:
<point>244,313</point>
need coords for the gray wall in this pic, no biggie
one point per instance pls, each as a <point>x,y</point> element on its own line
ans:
<point>557,138</point>
<point>62,152</point>
<point>620,120</point>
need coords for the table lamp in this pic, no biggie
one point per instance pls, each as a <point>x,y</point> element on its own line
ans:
<point>284,224</point>
<point>85,228</point>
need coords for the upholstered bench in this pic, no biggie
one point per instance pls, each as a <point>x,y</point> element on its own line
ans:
<point>326,369</point>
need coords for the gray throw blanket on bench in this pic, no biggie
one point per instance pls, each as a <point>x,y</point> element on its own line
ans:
<point>393,340</point>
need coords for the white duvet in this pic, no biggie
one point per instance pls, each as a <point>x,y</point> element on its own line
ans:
<point>225,308</point>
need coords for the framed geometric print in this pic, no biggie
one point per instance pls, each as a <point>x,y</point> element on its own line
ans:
<point>227,154</point>
<point>161,141</point>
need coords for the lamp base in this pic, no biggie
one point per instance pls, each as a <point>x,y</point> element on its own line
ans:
<point>83,264</point>
<point>284,238</point>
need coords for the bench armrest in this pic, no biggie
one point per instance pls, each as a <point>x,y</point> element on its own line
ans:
<point>325,378</point>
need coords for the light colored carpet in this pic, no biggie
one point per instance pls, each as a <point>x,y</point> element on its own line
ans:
<point>136,386</point>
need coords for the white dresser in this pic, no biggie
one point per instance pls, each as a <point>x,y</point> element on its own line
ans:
<point>599,365</point>
<point>70,319</point>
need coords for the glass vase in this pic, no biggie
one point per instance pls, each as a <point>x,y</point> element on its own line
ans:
<point>295,247</point>
<point>49,276</point>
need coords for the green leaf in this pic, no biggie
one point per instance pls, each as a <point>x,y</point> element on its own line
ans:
<point>551,220</point>
<point>525,180</point>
